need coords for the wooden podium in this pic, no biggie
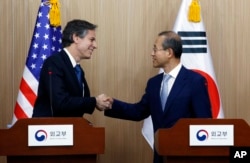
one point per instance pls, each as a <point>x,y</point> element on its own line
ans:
<point>173,143</point>
<point>88,142</point>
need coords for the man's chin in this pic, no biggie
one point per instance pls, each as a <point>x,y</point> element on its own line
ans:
<point>156,66</point>
<point>88,57</point>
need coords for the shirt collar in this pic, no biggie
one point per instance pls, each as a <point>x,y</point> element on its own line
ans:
<point>72,60</point>
<point>173,73</point>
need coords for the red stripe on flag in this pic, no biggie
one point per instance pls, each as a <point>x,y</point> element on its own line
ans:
<point>28,92</point>
<point>19,113</point>
<point>213,93</point>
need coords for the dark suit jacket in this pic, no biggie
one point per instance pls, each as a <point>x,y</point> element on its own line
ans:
<point>60,90</point>
<point>188,98</point>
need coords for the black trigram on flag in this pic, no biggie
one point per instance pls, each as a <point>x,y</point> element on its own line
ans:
<point>193,42</point>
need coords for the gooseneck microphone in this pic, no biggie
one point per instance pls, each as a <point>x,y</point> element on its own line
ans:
<point>50,72</point>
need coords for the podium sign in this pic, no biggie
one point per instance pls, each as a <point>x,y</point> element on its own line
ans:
<point>50,135</point>
<point>211,135</point>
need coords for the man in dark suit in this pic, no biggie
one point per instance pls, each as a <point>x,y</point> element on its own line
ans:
<point>60,92</point>
<point>186,90</point>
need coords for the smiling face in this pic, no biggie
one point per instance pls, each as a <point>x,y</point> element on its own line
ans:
<point>85,46</point>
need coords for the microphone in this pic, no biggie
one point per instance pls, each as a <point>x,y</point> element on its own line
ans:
<point>50,72</point>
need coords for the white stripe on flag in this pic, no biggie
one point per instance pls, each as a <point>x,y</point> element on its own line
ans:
<point>148,131</point>
<point>25,104</point>
<point>30,80</point>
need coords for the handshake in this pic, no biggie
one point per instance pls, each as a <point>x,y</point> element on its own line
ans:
<point>104,102</point>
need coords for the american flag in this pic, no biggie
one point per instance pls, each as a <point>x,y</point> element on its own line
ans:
<point>46,40</point>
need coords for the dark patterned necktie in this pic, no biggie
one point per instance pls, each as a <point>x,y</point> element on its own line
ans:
<point>79,74</point>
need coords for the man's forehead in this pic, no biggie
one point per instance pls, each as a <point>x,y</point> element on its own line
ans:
<point>159,40</point>
<point>91,34</point>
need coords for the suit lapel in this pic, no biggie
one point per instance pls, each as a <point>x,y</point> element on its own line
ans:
<point>73,74</point>
<point>156,85</point>
<point>179,83</point>
<point>70,67</point>
<point>86,87</point>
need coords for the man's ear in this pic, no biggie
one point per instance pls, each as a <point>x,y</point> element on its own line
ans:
<point>170,52</point>
<point>75,38</point>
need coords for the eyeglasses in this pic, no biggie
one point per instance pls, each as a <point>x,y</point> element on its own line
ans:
<point>155,49</point>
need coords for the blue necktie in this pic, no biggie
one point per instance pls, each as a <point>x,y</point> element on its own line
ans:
<point>164,90</point>
<point>79,74</point>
